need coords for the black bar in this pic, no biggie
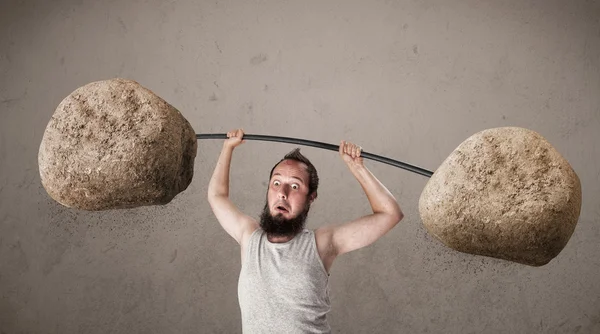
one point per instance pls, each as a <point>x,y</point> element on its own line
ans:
<point>330,147</point>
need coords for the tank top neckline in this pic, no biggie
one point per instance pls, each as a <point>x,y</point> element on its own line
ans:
<point>282,244</point>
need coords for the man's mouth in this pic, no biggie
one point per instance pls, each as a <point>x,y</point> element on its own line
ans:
<point>282,209</point>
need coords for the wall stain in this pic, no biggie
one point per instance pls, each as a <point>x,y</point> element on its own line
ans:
<point>261,58</point>
<point>174,256</point>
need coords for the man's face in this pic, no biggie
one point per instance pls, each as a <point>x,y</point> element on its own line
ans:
<point>287,204</point>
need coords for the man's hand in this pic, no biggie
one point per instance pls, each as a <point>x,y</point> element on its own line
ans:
<point>350,153</point>
<point>235,138</point>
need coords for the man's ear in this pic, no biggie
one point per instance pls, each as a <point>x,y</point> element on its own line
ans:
<point>312,197</point>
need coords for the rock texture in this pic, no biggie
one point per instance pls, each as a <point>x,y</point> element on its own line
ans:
<point>114,144</point>
<point>504,193</point>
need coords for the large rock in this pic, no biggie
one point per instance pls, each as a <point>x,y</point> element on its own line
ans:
<point>114,144</point>
<point>504,193</point>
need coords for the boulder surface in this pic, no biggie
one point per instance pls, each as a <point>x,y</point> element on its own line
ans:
<point>114,144</point>
<point>504,193</point>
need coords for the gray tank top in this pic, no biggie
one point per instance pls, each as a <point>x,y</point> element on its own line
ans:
<point>283,287</point>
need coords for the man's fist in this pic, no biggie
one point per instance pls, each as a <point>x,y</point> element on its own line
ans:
<point>350,153</point>
<point>234,138</point>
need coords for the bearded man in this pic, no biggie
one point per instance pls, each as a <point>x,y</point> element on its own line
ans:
<point>283,284</point>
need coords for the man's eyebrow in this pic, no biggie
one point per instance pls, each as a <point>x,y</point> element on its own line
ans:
<point>293,177</point>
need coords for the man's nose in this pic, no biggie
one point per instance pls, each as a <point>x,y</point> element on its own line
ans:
<point>283,192</point>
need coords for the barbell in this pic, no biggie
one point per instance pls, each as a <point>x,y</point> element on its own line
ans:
<point>325,146</point>
<point>503,192</point>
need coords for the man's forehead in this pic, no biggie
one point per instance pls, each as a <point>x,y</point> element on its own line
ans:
<point>292,168</point>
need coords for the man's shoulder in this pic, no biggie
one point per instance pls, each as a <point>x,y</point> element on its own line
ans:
<point>322,230</point>
<point>247,233</point>
<point>323,237</point>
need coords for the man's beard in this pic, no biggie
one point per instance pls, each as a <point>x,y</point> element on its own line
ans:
<point>279,226</point>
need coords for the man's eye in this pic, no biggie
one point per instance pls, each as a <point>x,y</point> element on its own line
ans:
<point>295,186</point>
<point>276,183</point>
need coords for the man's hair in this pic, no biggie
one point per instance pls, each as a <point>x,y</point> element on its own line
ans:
<point>313,177</point>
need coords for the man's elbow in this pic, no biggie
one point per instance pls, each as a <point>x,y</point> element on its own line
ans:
<point>395,212</point>
<point>391,219</point>
<point>397,216</point>
<point>214,192</point>
<point>214,197</point>
<point>210,194</point>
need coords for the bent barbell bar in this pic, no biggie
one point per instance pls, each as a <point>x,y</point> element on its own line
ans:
<point>326,146</point>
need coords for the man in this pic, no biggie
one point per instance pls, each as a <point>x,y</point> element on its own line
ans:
<point>283,282</point>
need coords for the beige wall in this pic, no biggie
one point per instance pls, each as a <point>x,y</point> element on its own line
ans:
<point>406,79</point>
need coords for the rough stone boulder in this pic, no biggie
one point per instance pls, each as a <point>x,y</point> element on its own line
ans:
<point>504,193</point>
<point>114,144</point>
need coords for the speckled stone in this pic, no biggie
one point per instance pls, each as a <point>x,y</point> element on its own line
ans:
<point>504,193</point>
<point>114,144</point>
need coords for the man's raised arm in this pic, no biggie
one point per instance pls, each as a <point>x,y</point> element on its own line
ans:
<point>386,211</point>
<point>231,219</point>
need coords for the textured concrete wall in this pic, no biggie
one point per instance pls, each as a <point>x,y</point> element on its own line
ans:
<point>405,79</point>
